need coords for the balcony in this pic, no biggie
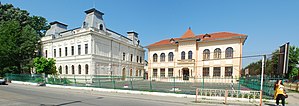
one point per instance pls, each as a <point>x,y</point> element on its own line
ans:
<point>186,61</point>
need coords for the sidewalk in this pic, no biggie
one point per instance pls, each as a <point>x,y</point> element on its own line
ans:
<point>292,100</point>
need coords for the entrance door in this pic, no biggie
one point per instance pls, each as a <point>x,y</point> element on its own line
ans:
<point>123,74</point>
<point>185,74</point>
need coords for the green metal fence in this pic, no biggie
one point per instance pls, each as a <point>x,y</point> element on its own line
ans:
<point>170,85</point>
<point>254,83</point>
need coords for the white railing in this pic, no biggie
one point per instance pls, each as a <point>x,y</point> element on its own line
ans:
<point>228,95</point>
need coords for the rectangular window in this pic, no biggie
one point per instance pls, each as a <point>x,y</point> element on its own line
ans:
<point>155,72</point>
<point>131,57</point>
<point>79,49</point>
<point>206,71</point>
<point>140,59</point>
<point>72,50</point>
<point>46,53</point>
<point>216,71</point>
<point>162,72</point>
<point>170,72</point>
<point>86,48</point>
<point>65,51</point>
<point>228,71</point>
<point>59,52</point>
<point>54,52</point>
<point>137,59</point>
<point>124,56</point>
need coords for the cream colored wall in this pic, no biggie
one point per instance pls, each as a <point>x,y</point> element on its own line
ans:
<point>197,54</point>
<point>235,62</point>
<point>158,65</point>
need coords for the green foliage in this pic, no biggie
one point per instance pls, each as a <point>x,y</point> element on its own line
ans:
<point>43,65</point>
<point>272,64</point>
<point>293,62</point>
<point>19,36</point>
<point>38,80</point>
<point>59,81</point>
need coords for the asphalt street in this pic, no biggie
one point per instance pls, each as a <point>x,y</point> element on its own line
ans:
<point>29,95</point>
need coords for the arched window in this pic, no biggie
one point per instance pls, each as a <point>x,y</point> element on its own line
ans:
<point>206,54</point>
<point>73,69</point>
<point>170,56</point>
<point>101,26</point>
<point>162,57</point>
<point>79,69</point>
<point>229,52</point>
<point>183,55</point>
<point>155,57</point>
<point>190,54</point>
<point>60,70</point>
<point>217,53</point>
<point>86,68</point>
<point>66,70</point>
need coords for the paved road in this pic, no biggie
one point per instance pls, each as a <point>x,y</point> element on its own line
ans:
<point>28,95</point>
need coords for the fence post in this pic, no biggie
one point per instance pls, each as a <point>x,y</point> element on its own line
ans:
<point>151,88</point>
<point>174,84</point>
<point>239,87</point>
<point>75,80</point>
<point>113,82</point>
<point>64,80</point>
<point>131,83</point>
<point>99,82</point>
<point>203,82</point>
<point>297,86</point>
<point>225,97</point>
<point>261,97</point>
<point>196,94</point>
<point>85,80</point>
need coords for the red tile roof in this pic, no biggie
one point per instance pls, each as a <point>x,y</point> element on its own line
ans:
<point>190,34</point>
<point>219,35</point>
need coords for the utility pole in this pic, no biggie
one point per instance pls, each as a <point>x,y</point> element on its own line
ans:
<point>263,69</point>
<point>262,79</point>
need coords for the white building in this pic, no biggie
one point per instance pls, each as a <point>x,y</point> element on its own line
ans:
<point>215,55</point>
<point>93,49</point>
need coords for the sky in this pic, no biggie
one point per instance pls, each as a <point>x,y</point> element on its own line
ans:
<point>267,23</point>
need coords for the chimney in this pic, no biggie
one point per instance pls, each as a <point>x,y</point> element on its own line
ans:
<point>56,28</point>
<point>134,37</point>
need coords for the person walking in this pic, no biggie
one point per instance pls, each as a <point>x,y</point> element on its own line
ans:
<point>279,93</point>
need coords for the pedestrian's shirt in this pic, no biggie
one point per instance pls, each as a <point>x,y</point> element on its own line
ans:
<point>279,89</point>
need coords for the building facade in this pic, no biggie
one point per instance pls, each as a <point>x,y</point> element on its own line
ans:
<point>93,49</point>
<point>215,55</point>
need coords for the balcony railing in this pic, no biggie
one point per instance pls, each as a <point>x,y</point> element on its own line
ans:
<point>186,61</point>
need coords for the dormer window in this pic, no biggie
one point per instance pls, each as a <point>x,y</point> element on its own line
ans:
<point>171,40</point>
<point>101,26</point>
<point>206,36</point>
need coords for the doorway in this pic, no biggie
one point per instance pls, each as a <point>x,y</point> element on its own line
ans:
<point>185,74</point>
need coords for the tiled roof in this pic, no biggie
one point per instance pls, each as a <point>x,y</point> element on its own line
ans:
<point>219,35</point>
<point>202,37</point>
<point>188,34</point>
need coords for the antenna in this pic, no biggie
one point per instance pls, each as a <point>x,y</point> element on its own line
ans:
<point>94,4</point>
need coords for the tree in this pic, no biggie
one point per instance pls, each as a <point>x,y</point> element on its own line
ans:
<point>293,62</point>
<point>44,65</point>
<point>19,36</point>
<point>272,64</point>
